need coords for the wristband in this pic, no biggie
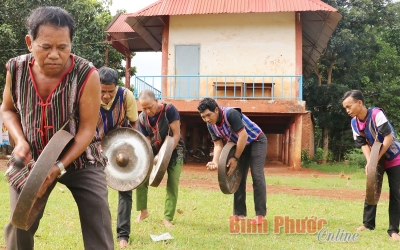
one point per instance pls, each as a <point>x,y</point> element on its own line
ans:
<point>236,158</point>
<point>62,168</point>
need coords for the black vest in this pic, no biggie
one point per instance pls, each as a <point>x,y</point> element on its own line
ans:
<point>160,130</point>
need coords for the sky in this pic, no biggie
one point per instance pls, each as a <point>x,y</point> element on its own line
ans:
<point>147,63</point>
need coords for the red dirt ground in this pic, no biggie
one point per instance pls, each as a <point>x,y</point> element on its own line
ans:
<point>195,175</point>
<point>210,181</point>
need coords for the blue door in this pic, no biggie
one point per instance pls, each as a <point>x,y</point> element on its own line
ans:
<point>187,65</point>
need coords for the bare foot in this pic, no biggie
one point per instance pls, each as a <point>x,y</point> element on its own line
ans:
<point>362,228</point>
<point>395,236</point>
<point>236,217</point>
<point>123,244</point>
<point>143,215</point>
<point>258,220</point>
<point>168,223</point>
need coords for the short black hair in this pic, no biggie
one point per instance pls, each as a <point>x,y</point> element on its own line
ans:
<point>355,94</point>
<point>108,76</point>
<point>207,103</point>
<point>49,15</point>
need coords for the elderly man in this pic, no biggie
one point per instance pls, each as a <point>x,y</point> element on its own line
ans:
<point>157,120</point>
<point>48,90</point>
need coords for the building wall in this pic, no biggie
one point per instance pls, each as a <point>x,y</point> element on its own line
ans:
<point>307,140</point>
<point>238,44</point>
<point>274,150</point>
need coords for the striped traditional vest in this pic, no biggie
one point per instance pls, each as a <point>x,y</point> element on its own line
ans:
<point>41,119</point>
<point>224,130</point>
<point>160,130</point>
<point>371,132</point>
<point>114,117</point>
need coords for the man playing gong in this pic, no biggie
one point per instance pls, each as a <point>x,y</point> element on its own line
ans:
<point>156,121</point>
<point>229,124</point>
<point>369,124</point>
<point>49,90</point>
<point>118,109</point>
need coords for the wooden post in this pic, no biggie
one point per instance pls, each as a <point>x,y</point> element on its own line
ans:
<point>127,72</point>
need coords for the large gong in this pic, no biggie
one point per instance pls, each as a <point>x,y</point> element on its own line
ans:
<point>375,173</point>
<point>229,184</point>
<point>28,204</point>
<point>130,158</point>
<point>161,161</point>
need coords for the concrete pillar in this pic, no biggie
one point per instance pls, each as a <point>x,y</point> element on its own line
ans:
<point>195,138</point>
<point>204,144</point>
<point>278,146</point>
<point>297,143</point>
<point>183,131</point>
<point>287,147</point>
<point>282,153</point>
<point>292,129</point>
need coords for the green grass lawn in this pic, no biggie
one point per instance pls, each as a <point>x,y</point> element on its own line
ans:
<point>203,223</point>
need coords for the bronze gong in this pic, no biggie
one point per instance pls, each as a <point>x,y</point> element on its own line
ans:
<point>161,161</point>
<point>130,158</point>
<point>28,204</point>
<point>374,175</point>
<point>229,184</point>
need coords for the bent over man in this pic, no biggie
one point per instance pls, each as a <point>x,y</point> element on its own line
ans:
<point>369,124</point>
<point>157,120</point>
<point>229,124</point>
<point>118,109</point>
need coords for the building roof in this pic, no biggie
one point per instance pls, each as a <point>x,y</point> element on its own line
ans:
<point>142,31</point>
<point>191,7</point>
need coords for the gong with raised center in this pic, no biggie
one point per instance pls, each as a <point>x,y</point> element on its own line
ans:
<point>161,161</point>
<point>130,158</point>
<point>375,173</point>
<point>229,184</point>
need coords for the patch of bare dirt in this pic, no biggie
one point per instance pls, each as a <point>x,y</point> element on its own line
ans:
<point>3,162</point>
<point>196,175</point>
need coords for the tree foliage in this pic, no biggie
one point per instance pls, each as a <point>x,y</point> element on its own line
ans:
<point>364,54</point>
<point>91,17</point>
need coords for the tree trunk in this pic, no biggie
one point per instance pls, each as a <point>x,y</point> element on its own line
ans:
<point>318,74</point>
<point>329,72</point>
<point>325,142</point>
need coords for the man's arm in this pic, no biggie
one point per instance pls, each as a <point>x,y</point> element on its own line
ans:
<point>241,143</point>
<point>134,124</point>
<point>367,153</point>
<point>387,140</point>
<point>218,145</point>
<point>131,109</point>
<point>176,130</point>
<point>13,124</point>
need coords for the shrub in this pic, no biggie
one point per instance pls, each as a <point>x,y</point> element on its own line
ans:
<point>356,158</point>
<point>305,156</point>
<point>318,154</point>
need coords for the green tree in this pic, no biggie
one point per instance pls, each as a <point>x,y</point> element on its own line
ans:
<point>91,18</point>
<point>362,54</point>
